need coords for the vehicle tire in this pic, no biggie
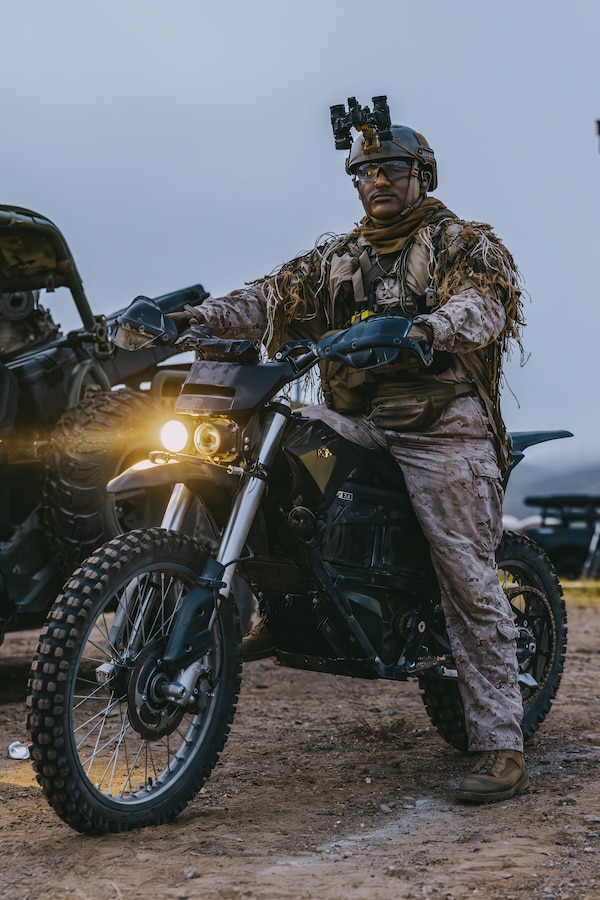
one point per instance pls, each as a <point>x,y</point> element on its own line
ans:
<point>92,443</point>
<point>535,595</point>
<point>110,752</point>
<point>569,564</point>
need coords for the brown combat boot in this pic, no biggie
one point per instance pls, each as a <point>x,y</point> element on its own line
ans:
<point>497,775</point>
<point>259,643</point>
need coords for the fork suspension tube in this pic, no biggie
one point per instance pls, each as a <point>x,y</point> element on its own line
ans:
<point>177,508</point>
<point>246,503</point>
<point>174,515</point>
<point>191,635</point>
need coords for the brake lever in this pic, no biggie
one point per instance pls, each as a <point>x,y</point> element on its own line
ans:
<point>423,351</point>
<point>194,335</point>
<point>288,347</point>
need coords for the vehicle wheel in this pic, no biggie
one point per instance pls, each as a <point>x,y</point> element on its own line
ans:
<point>92,443</point>
<point>569,564</point>
<point>535,595</point>
<point>109,750</point>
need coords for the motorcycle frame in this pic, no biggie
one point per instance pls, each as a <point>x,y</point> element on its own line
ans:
<point>367,344</point>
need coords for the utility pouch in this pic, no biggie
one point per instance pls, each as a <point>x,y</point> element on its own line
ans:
<point>413,405</point>
<point>345,389</point>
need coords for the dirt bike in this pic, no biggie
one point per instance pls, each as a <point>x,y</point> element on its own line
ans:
<point>65,429</point>
<point>136,678</point>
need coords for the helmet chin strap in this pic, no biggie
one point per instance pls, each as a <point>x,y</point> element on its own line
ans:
<point>414,191</point>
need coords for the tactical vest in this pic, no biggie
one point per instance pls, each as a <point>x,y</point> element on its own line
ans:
<point>404,396</point>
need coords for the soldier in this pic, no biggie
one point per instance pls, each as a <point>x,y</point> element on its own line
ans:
<point>443,425</point>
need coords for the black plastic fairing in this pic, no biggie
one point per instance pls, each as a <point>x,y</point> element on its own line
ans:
<point>221,387</point>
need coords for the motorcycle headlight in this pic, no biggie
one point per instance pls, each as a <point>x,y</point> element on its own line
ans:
<point>174,436</point>
<point>217,438</point>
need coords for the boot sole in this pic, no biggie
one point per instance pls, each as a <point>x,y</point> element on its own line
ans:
<point>478,797</point>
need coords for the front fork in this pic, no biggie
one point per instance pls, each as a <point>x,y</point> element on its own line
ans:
<point>179,504</point>
<point>191,636</point>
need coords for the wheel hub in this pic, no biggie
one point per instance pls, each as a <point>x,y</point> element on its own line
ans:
<point>150,713</point>
<point>536,641</point>
<point>526,647</point>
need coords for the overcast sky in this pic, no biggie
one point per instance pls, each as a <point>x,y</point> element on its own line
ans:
<point>190,142</point>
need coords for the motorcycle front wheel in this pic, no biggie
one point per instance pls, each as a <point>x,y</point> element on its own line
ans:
<point>535,595</point>
<point>109,750</point>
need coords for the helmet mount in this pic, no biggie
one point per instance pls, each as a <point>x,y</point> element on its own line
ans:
<point>375,126</point>
<point>378,138</point>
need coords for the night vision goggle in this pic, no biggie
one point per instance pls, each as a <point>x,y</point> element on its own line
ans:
<point>375,125</point>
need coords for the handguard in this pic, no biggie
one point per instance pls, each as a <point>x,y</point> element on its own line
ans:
<point>374,342</point>
<point>143,324</point>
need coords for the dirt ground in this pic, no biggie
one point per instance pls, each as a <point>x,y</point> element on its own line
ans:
<point>331,787</point>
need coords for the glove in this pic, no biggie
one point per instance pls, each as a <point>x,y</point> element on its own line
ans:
<point>422,333</point>
<point>185,317</point>
<point>194,333</point>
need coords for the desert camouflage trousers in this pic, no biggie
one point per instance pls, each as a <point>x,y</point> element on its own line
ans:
<point>454,486</point>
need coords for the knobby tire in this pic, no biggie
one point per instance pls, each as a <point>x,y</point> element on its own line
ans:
<point>113,756</point>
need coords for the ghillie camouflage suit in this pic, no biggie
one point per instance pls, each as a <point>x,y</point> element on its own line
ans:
<point>459,279</point>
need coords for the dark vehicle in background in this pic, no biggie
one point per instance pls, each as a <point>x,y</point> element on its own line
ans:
<point>72,416</point>
<point>568,528</point>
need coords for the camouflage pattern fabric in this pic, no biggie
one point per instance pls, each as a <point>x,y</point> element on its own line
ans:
<point>456,492</point>
<point>452,469</point>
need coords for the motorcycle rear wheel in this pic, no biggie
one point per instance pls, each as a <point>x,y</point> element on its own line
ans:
<point>535,595</point>
<point>110,752</point>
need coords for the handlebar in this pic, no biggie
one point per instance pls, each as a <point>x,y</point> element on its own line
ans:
<point>375,341</point>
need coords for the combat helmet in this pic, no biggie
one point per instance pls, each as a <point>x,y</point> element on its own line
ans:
<point>405,143</point>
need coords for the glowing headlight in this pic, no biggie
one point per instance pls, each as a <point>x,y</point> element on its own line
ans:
<point>207,439</point>
<point>174,436</point>
<point>216,439</point>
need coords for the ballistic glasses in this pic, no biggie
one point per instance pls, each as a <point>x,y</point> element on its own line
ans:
<point>393,170</point>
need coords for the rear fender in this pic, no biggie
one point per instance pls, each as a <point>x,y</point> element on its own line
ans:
<point>521,440</point>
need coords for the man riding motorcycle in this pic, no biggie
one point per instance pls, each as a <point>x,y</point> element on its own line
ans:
<point>443,425</point>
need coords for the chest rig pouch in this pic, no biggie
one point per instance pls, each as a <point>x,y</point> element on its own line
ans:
<point>346,389</point>
<point>349,390</point>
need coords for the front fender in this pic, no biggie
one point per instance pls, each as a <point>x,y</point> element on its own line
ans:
<point>145,474</point>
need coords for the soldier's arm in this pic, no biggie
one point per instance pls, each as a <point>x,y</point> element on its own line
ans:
<point>241,313</point>
<point>467,321</point>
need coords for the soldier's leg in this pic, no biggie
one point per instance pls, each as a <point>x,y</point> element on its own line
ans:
<point>456,494</point>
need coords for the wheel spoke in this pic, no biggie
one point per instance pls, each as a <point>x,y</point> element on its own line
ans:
<point>131,756</point>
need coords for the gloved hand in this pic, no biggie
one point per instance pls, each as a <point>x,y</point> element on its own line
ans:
<point>185,317</point>
<point>194,333</point>
<point>422,333</point>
